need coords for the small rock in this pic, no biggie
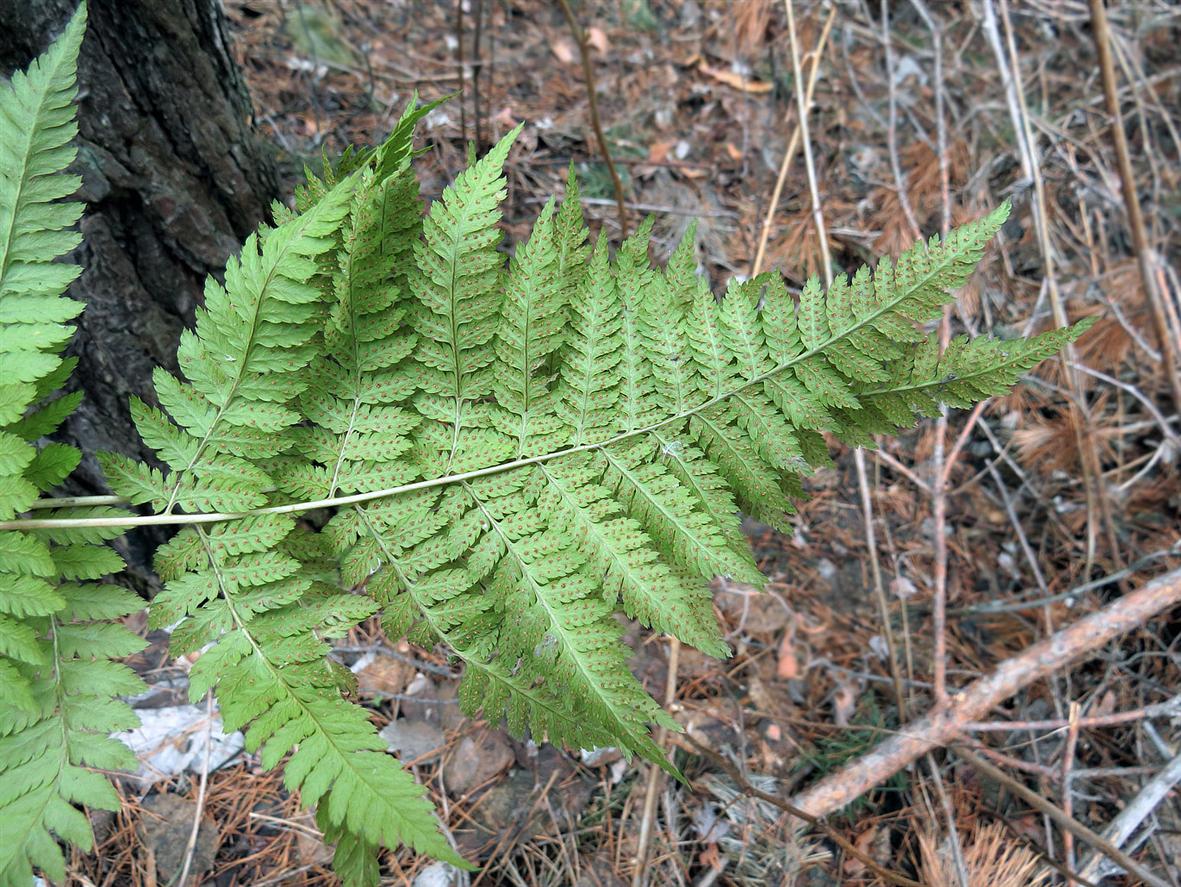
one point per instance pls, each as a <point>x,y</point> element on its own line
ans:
<point>437,874</point>
<point>165,829</point>
<point>600,757</point>
<point>416,741</point>
<point>433,703</point>
<point>171,740</point>
<point>503,817</point>
<point>477,760</point>
<point>383,675</point>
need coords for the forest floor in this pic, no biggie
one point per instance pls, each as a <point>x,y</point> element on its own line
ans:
<point>1057,499</point>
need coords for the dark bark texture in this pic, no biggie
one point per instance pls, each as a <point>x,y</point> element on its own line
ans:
<point>174,178</point>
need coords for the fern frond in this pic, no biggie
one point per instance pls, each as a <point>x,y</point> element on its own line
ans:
<point>57,707</point>
<point>532,320</point>
<point>518,451</point>
<point>37,129</point>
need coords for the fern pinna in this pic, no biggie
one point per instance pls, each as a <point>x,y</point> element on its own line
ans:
<point>515,454</point>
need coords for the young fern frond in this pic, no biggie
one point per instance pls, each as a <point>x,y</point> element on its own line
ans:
<point>58,628</point>
<point>519,450</point>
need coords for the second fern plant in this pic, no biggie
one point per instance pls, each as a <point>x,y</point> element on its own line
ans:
<point>515,454</point>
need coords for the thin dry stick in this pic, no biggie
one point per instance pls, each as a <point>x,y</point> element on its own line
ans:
<point>1065,822</point>
<point>1169,708</point>
<point>809,163</point>
<point>871,544</point>
<point>943,726</point>
<point>957,850</point>
<point>477,69</point>
<point>941,467</point>
<point>460,66</point>
<point>1120,829</point>
<point>792,144</point>
<point>588,76</point>
<point>1068,753</point>
<point>654,772</point>
<point>1015,97</point>
<point>1168,344</point>
<point>191,845</point>
<point>892,128</point>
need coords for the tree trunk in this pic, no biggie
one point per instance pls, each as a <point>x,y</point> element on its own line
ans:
<point>174,178</point>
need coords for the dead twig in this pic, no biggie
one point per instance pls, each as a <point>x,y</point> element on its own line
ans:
<point>588,76</point>
<point>1168,344</point>
<point>809,163</point>
<point>191,844</point>
<point>792,144</point>
<point>1137,810</point>
<point>1071,825</point>
<point>460,64</point>
<point>654,772</point>
<point>943,726</point>
<point>1007,66</point>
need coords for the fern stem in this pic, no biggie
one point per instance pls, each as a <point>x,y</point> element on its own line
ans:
<point>78,502</point>
<point>298,507</point>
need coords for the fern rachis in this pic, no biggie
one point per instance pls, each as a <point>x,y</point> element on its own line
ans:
<point>515,451</point>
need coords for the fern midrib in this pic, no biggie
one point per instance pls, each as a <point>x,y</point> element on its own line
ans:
<point>453,271</point>
<point>593,529</point>
<point>948,378</point>
<point>670,449</point>
<point>356,355</point>
<point>588,378</point>
<point>656,502</point>
<point>297,507</point>
<point>724,440</point>
<point>525,381</point>
<point>469,660</point>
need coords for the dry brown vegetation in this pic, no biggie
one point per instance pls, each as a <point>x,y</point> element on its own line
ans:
<point>914,570</point>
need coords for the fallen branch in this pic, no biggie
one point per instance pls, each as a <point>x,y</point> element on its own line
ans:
<point>787,807</point>
<point>945,725</point>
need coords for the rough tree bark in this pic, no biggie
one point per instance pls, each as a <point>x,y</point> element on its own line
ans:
<point>174,178</point>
